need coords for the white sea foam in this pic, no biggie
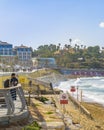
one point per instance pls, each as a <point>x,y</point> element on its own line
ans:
<point>92,88</point>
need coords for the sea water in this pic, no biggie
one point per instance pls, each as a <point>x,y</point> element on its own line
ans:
<point>92,88</point>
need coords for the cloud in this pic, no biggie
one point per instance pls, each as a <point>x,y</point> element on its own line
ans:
<point>101,25</point>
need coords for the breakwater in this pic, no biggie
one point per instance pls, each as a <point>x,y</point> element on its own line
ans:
<point>53,78</point>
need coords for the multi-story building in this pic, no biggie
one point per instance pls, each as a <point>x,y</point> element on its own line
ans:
<point>24,54</point>
<point>6,49</point>
<point>6,54</point>
<point>20,55</point>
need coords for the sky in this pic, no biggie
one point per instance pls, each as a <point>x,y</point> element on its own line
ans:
<point>40,22</point>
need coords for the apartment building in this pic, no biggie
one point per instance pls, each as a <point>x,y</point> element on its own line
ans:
<point>6,49</point>
<point>24,54</point>
<point>18,55</point>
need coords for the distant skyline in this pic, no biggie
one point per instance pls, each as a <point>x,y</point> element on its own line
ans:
<point>39,22</point>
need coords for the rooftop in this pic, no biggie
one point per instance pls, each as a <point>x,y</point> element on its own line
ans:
<point>22,46</point>
<point>3,43</point>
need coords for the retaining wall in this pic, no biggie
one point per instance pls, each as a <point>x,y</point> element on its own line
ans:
<point>81,107</point>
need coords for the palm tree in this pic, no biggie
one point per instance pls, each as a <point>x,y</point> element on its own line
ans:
<point>81,46</point>
<point>70,40</point>
<point>58,47</point>
<point>69,47</point>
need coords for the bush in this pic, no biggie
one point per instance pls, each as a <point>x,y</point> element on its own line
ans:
<point>43,99</point>
<point>33,126</point>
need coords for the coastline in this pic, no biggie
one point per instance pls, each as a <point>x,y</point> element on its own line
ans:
<point>78,117</point>
<point>96,110</point>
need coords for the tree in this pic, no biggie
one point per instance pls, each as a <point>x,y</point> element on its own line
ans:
<point>70,40</point>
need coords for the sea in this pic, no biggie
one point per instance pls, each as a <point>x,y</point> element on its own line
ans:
<point>89,89</point>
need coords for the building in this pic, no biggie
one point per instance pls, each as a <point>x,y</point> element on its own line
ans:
<point>19,55</point>
<point>44,62</point>
<point>6,55</point>
<point>24,54</point>
<point>6,49</point>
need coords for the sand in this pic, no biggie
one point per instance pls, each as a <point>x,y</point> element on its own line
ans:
<point>97,112</point>
<point>77,117</point>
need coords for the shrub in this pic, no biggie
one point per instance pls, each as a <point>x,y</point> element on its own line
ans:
<point>33,126</point>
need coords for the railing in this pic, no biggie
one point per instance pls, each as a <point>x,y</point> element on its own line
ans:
<point>11,105</point>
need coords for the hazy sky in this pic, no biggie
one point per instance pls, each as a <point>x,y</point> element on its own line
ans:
<point>38,22</point>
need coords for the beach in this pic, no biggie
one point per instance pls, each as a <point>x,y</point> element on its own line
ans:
<point>97,114</point>
<point>92,100</point>
<point>79,120</point>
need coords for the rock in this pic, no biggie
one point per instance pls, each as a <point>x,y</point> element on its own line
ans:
<point>52,125</point>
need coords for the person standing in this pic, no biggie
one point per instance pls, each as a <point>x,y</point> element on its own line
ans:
<point>13,82</point>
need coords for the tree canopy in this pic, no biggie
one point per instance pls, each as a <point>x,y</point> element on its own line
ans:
<point>73,56</point>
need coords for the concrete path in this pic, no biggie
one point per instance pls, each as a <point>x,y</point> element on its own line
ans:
<point>17,105</point>
<point>17,116</point>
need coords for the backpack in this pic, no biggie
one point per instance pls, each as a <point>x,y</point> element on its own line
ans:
<point>6,83</point>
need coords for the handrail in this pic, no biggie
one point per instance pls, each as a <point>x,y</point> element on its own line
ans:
<point>10,105</point>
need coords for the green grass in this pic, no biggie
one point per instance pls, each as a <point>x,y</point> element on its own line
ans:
<point>33,126</point>
<point>43,99</point>
<point>36,104</point>
<point>49,112</point>
<point>24,78</point>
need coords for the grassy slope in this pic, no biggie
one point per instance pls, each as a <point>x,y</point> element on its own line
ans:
<point>24,78</point>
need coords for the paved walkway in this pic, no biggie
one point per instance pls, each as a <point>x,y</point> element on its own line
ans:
<point>17,105</point>
<point>18,114</point>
